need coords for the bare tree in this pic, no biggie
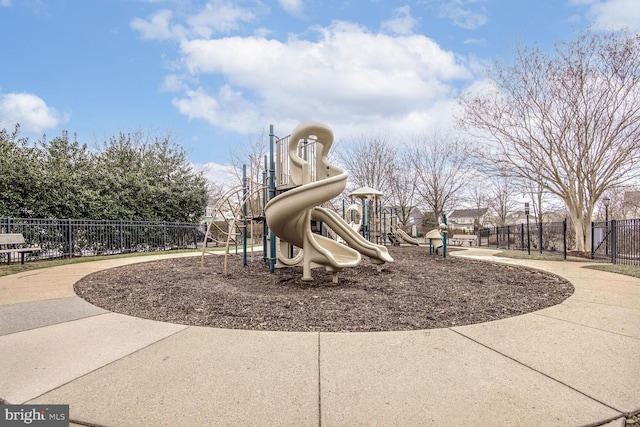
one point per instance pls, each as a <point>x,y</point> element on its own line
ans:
<point>252,155</point>
<point>502,203</point>
<point>574,116</point>
<point>441,168</point>
<point>477,193</point>
<point>402,187</point>
<point>370,161</point>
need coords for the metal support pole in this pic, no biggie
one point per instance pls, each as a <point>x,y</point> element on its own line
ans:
<point>540,236</point>
<point>606,229</point>
<point>614,241</point>
<point>70,237</point>
<point>564,238</point>
<point>444,236</point>
<point>526,212</point>
<point>265,229</point>
<point>362,219</point>
<point>272,194</point>
<point>384,228</point>
<point>122,237</point>
<point>164,236</point>
<point>244,215</point>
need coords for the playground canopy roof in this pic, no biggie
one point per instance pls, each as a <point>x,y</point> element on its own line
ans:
<point>364,192</point>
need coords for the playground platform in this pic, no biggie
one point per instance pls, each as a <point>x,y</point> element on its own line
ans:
<point>573,364</point>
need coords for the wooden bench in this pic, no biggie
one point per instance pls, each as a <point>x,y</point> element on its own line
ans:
<point>14,243</point>
<point>461,239</point>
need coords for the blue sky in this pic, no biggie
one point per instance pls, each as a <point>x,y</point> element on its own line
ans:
<point>217,73</point>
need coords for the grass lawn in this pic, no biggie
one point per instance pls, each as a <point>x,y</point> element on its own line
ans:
<point>627,270</point>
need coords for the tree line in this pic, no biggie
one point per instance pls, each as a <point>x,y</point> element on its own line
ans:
<point>135,176</point>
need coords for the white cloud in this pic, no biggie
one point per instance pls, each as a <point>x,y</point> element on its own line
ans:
<point>615,14</point>
<point>173,83</point>
<point>463,15</point>
<point>475,41</point>
<point>30,111</point>
<point>157,27</point>
<point>342,74</point>
<point>401,23</point>
<point>293,7</point>
<point>227,109</point>
<point>216,16</point>
<point>348,75</point>
<point>225,176</point>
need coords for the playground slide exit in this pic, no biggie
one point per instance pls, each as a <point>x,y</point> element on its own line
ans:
<point>378,254</point>
<point>406,237</point>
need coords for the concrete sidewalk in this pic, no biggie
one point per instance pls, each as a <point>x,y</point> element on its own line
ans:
<point>577,363</point>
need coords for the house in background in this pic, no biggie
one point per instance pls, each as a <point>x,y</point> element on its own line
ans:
<point>467,219</point>
<point>631,205</point>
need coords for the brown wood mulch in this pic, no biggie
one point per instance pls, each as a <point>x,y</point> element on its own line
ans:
<point>417,291</point>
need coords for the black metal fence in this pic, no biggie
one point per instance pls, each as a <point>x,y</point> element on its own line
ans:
<point>66,238</point>
<point>549,237</point>
<point>615,241</point>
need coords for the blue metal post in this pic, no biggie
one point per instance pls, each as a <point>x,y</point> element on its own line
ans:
<point>362,219</point>
<point>444,236</point>
<point>384,228</point>
<point>265,229</point>
<point>272,194</point>
<point>244,214</point>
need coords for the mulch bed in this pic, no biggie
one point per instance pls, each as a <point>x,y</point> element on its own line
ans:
<point>417,291</point>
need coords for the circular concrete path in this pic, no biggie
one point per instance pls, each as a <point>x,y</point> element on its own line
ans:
<point>572,364</point>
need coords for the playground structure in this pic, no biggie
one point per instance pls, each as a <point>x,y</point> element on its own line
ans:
<point>299,228</point>
<point>309,182</point>
<point>235,212</point>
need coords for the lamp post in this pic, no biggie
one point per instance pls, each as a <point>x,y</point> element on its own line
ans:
<point>606,202</point>
<point>526,212</point>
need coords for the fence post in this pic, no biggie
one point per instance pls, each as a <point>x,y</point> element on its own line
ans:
<point>121,237</point>
<point>592,240</point>
<point>8,224</point>
<point>540,236</point>
<point>195,235</point>
<point>614,241</point>
<point>164,236</point>
<point>508,238</point>
<point>70,237</point>
<point>497,239</point>
<point>564,238</point>
<point>522,237</point>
